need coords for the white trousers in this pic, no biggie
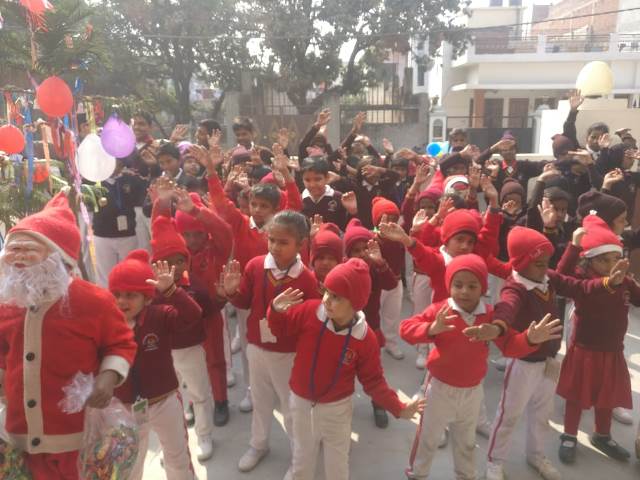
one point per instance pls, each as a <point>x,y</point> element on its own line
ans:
<point>166,419</point>
<point>326,424</point>
<point>422,293</point>
<point>525,388</point>
<point>270,373</point>
<point>241,318</point>
<point>228,358</point>
<point>390,311</point>
<point>143,229</point>
<point>445,406</point>
<point>109,252</point>
<point>191,366</point>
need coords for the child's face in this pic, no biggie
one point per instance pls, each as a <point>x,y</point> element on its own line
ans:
<point>457,169</point>
<point>323,264</point>
<point>261,210</point>
<point>619,223</point>
<point>339,309</point>
<point>561,207</point>
<point>131,303</point>
<point>592,140</point>
<point>196,240</point>
<point>372,176</point>
<point>180,262</point>
<point>602,264</point>
<point>314,182</point>
<point>141,129</point>
<point>169,165</point>
<point>466,290</point>
<point>515,198</point>
<point>392,218</point>
<point>243,205</point>
<point>537,270</point>
<point>359,250</point>
<point>401,171</point>
<point>283,245</point>
<point>202,136</point>
<point>458,140</point>
<point>191,166</point>
<point>244,137</point>
<point>508,154</point>
<point>428,206</point>
<point>461,244</point>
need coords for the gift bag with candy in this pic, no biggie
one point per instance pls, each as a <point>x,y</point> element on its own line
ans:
<point>12,462</point>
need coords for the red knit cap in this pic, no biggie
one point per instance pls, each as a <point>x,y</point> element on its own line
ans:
<point>188,223</point>
<point>355,232</point>
<point>131,274</point>
<point>55,225</point>
<point>525,246</point>
<point>599,238</point>
<point>382,206</point>
<point>459,221</point>
<point>471,263</point>
<point>351,280</point>
<point>165,239</point>
<point>327,240</point>
<point>432,193</point>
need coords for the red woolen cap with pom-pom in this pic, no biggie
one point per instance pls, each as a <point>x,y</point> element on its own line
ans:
<point>382,206</point>
<point>471,263</point>
<point>355,232</point>
<point>599,238</point>
<point>351,280</point>
<point>459,221</point>
<point>165,240</point>
<point>525,246</point>
<point>327,240</point>
<point>188,223</point>
<point>131,274</point>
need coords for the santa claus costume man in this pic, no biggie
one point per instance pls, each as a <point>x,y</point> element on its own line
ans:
<point>52,326</point>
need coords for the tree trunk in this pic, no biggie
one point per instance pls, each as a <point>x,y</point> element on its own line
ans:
<point>183,111</point>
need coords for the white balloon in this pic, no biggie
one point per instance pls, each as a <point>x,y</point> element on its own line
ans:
<point>595,78</point>
<point>94,164</point>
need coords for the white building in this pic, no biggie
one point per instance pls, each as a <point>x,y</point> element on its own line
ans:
<point>509,72</point>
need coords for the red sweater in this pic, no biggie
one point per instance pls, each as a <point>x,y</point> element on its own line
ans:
<point>456,360</point>
<point>602,318</point>
<point>257,290</point>
<point>382,278</point>
<point>152,373</point>
<point>304,323</point>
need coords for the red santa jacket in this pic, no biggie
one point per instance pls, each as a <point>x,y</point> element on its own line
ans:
<point>456,360</point>
<point>315,336</point>
<point>42,349</point>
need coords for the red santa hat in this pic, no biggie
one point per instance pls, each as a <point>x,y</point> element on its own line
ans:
<point>355,232</point>
<point>55,225</point>
<point>455,183</point>
<point>459,221</point>
<point>599,238</point>
<point>525,246</point>
<point>327,240</point>
<point>186,222</point>
<point>351,280</point>
<point>165,239</point>
<point>131,274</point>
<point>470,263</point>
<point>382,206</point>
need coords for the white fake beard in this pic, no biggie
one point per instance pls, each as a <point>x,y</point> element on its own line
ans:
<point>44,282</point>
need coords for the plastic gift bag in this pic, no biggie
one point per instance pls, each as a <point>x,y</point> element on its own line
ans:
<point>110,439</point>
<point>12,461</point>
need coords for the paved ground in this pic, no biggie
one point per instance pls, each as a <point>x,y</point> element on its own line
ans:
<point>382,454</point>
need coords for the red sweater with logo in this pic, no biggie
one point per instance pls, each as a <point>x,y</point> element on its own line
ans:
<point>304,323</point>
<point>257,290</point>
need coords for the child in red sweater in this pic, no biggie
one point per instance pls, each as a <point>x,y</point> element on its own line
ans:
<point>460,326</point>
<point>152,386</point>
<point>530,382</point>
<point>270,357</point>
<point>333,345</point>
<point>327,251</point>
<point>594,371</point>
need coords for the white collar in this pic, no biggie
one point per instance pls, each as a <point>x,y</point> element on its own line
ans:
<point>367,185</point>
<point>293,271</point>
<point>328,192</point>
<point>358,331</point>
<point>468,317</point>
<point>445,255</point>
<point>253,226</point>
<point>178,175</point>
<point>530,284</point>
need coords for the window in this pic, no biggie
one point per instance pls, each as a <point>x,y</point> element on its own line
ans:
<point>422,71</point>
<point>438,130</point>
<point>495,3</point>
<point>515,3</point>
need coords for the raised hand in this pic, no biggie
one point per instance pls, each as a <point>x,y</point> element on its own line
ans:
<point>445,208</point>
<point>280,162</point>
<point>199,153</point>
<point>179,133</point>
<point>316,223</point>
<point>578,234</point>
<point>618,272</point>
<point>549,171</point>
<point>287,299</point>
<point>511,207</point>
<point>474,176</point>
<point>164,276</point>
<point>544,330</point>
<point>419,219</point>
<point>283,137</point>
<point>161,189</point>
<point>231,277</point>
<point>548,213</point>
<point>503,144</point>
<point>358,122</point>
<point>183,200</point>
<point>604,141</point>
<point>413,407</point>
<point>490,192</point>
<point>374,252</point>
<point>470,152</point>
<point>442,323</point>
<point>423,174</point>
<point>575,100</point>
<point>323,118</point>
<point>395,233</point>
<point>611,178</point>
<point>482,333</point>
<point>583,156</point>
<point>350,202</point>
<point>387,146</point>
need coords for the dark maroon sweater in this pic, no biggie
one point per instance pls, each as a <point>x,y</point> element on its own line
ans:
<point>519,306</point>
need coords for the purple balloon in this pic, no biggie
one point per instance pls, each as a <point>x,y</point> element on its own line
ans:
<point>117,138</point>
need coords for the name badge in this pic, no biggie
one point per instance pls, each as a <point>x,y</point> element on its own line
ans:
<point>140,410</point>
<point>123,223</point>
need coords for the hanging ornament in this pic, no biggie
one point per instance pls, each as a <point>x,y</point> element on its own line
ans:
<point>11,139</point>
<point>94,163</point>
<point>54,97</point>
<point>118,138</point>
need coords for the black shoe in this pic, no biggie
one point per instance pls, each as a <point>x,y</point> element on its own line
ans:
<point>609,447</point>
<point>190,417</point>
<point>567,450</point>
<point>380,417</point>
<point>221,414</point>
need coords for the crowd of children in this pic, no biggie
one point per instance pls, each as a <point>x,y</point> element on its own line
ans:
<point>312,257</point>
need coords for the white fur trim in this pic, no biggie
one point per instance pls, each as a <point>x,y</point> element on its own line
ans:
<point>48,242</point>
<point>117,364</point>
<point>607,248</point>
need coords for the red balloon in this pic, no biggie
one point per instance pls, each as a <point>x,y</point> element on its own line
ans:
<point>11,139</point>
<point>54,97</point>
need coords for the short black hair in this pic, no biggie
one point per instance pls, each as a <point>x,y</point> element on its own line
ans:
<point>209,125</point>
<point>169,149</point>
<point>144,114</point>
<point>458,131</point>
<point>268,192</point>
<point>315,165</point>
<point>242,123</point>
<point>295,223</point>
<point>600,126</point>
<point>399,161</point>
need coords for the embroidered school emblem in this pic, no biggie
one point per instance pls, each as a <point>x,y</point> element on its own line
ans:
<point>332,206</point>
<point>150,342</point>
<point>349,357</point>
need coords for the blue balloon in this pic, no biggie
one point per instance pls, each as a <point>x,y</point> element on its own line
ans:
<point>433,149</point>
